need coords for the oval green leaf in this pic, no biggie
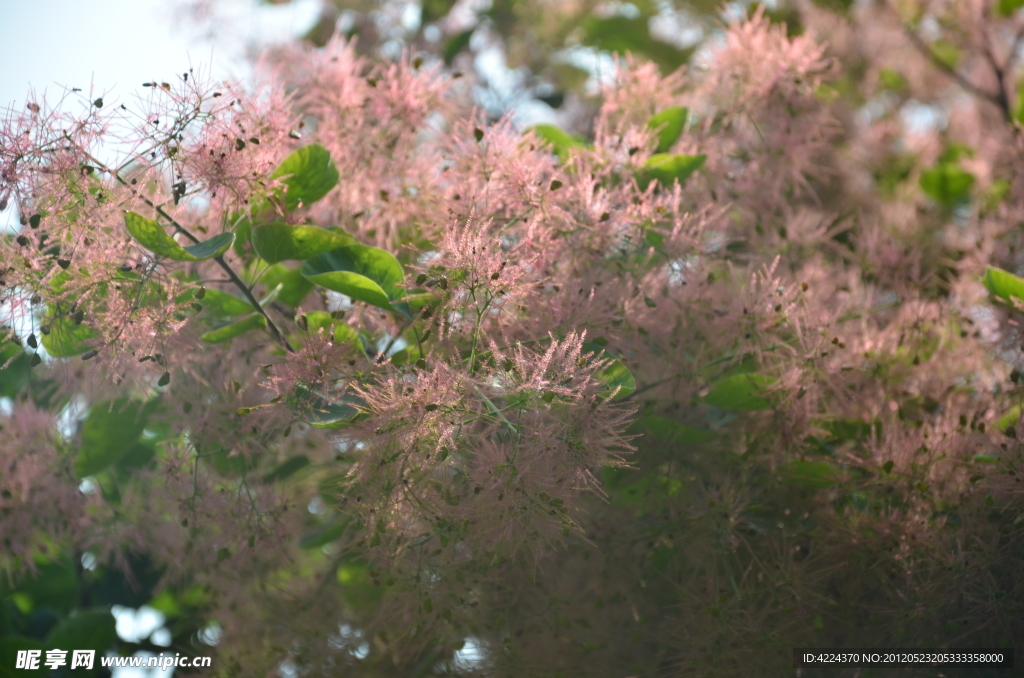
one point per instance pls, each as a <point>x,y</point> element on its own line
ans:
<point>325,536</point>
<point>667,169</point>
<point>560,140</point>
<point>108,432</point>
<point>363,273</point>
<point>740,392</point>
<point>308,174</point>
<point>669,125</point>
<point>321,319</point>
<point>1003,284</point>
<point>281,242</point>
<point>294,287</point>
<point>666,430</point>
<point>253,322</point>
<point>319,413</point>
<point>223,305</point>
<point>67,339</point>
<point>614,374</point>
<point>89,630</point>
<point>152,236</point>
<point>947,183</point>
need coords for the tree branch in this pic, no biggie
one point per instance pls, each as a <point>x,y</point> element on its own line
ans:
<point>232,276</point>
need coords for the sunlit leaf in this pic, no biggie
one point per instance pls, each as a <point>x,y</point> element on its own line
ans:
<point>66,339</point>
<point>667,169</point>
<point>669,125</point>
<point>947,183</point>
<point>1003,283</point>
<point>280,242</point>
<point>364,273</point>
<point>560,140</point>
<point>308,173</point>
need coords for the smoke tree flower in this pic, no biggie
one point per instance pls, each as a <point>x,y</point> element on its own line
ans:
<point>357,373</point>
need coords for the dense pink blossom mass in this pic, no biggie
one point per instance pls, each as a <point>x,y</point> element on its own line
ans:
<point>358,373</point>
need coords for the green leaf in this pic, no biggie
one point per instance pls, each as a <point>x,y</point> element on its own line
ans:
<point>152,236</point>
<point>253,322</point>
<point>1006,8</point>
<point>560,140</point>
<point>226,461</point>
<point>947,183</point>
<point>615,374</point>
<point>945,52</point>
<point>280,242</point>
<point>407,355</point>
<point>88,630</point>
<point>286,469</point>
<point>740,392</point>
<point>9,648</point>
<point>322,414</point>
<point>1010,418</point>
<point>223,305</point>
<point>667,169</point>
<point>138,455</point>
<point>892,80</point>
<point>364,273</point>
<point>309,174</point>
<point>66,339</point>
<point>1003,284</point>
<point>342,332</point>
<point>294,287</point>
<point>670,431</point>
<point>14,369</point>
<point>811,475</point>
<point>324,536</point>
<point>632,34</point>
<point>456,44</point>
<point>669,125</point>
<point>108,432</point>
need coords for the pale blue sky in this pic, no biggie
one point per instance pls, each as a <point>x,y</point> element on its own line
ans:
<point>113,46</point>
<point>116,45</point>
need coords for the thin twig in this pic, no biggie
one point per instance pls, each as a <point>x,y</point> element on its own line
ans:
<point>232,276</point>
